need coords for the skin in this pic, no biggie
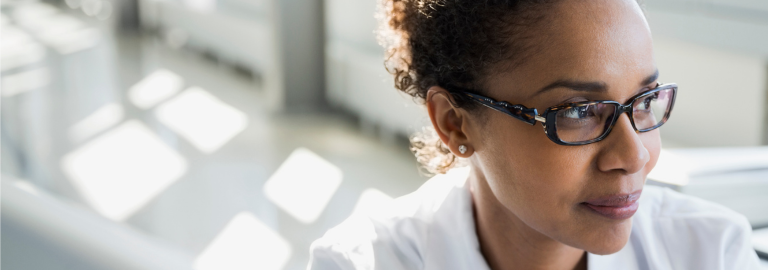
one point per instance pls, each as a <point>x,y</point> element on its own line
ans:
<point>527,191</point>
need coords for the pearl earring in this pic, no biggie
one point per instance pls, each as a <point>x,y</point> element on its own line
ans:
<point>462,149</point>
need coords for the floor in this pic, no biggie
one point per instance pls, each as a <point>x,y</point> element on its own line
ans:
<point>80,127</point>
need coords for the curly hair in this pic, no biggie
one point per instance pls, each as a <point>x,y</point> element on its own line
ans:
<point>452,43</point>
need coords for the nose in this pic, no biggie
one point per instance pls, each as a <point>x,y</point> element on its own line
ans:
<point>624,150</point>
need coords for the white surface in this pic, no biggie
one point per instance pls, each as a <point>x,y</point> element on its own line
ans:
<point>303,185</point>
<point>156,87</point>
<point>671,169</point>
<point>101,242</point>
<point>62,32</point>
<point>17,49</point>
<point>202,119</point>
<point>678,166</point>
<point>245,243</point>
<point>721,160</point>
<point>709,80</point>
<point>373,201</point>
<point>736,25</point>
<point>119,172</point>
<point>735,177</point>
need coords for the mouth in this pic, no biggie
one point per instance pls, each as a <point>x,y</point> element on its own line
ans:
<point>618,207</point>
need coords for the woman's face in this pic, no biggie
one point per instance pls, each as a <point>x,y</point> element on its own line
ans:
<point>607,44</point>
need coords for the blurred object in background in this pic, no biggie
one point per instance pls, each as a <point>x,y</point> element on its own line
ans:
<point>230,134</point>
<point>735,177</point>
<point>356,79</point>
<point>279,43</point>
<point>41,231</point>
<point>717,52</point>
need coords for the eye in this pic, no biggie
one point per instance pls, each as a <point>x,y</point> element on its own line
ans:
<point>580,112</point>
<point>645,104</point>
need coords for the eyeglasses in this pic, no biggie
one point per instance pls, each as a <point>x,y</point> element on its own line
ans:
<point>581,123</point>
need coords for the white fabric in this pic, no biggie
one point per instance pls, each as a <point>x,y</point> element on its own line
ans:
<point>433,228</point>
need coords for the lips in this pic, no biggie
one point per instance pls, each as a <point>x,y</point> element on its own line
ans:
<point>618,207</point>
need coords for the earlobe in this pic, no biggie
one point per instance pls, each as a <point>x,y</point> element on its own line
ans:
<point>465,151</point>
<point>448,120</point>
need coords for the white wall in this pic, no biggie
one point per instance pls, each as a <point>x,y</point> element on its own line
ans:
<point>722,94</point>
<point>717,51</point>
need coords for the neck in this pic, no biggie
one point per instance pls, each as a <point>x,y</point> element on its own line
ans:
<point>507,242</point>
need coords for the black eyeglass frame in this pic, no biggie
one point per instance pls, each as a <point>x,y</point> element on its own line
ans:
<point>531,115</point>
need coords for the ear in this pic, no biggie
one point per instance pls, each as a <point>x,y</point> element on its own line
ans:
<point>449,122</point>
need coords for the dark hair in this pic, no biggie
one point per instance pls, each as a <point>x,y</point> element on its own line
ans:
<point>452,43</point>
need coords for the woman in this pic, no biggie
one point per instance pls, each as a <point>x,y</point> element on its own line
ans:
<point>492,73</point>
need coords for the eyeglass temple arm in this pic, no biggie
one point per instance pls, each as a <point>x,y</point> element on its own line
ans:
<point>522,113</point>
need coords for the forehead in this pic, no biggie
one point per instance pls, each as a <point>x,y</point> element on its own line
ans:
<point>596,40</point>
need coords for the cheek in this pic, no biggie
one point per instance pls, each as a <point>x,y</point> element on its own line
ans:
<point>533,177</point>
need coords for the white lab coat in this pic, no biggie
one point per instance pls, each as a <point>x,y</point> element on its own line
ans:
<point>433,228</point>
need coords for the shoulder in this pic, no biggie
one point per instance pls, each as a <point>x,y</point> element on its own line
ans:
<point>396,235</point>
<point>691,233</point>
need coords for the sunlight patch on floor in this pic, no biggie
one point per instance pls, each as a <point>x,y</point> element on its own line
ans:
<point>303,185</point>
<point>123,169</point>
<point>202,119</point>
<point>155,88</point>
<point>245,243</point>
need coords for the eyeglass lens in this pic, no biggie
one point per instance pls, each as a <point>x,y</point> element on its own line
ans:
<point>649,110</point>
<point>586,122</point>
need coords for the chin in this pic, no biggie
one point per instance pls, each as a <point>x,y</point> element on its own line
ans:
<point>610,241</point>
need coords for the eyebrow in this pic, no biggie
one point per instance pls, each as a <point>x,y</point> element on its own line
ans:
<point>595,86</point>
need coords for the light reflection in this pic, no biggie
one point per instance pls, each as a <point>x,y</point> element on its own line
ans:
<point>18,49</point>
<point>71,39</point>
<point>24,81</point>
<point>34,16</point>
<point>27,186</point>
<point>57,24</point>
<point>120,171</point>
<point>64,33</point>
<point>202,119</point>
<point>303,185</point>
<point>373,202</point>
<point>201,5</point>
<point>33,11</point>
<point>154,88</point>
<point>245,243</point>
<point>101,119</point>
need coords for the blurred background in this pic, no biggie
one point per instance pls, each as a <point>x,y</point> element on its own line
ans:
<point>229,134</point>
